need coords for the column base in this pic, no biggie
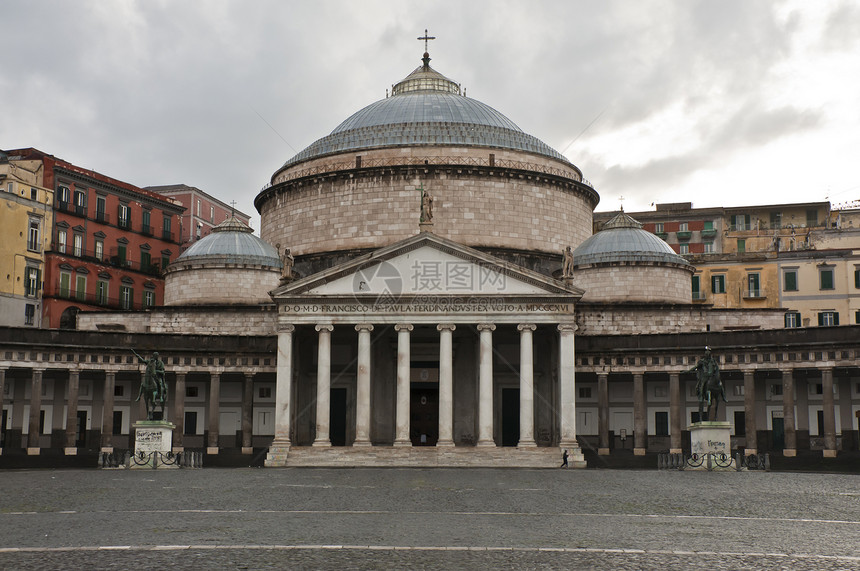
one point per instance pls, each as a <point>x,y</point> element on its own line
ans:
<point>362,443</point>
<point>212,450</point>
<point>789,452</point>
<point>402,443</point>
<point>106,449</point>
<point>322,444</point>
<point>247,450</point>
<point>526,444</point>
<point>675,450</point>
<point>830,453</point>
<point>486,444</point>
<point>750,452</point>
<point>178,449</point>
<point>69,451</point>
<point>34,451</point>
<point>603,452</point>
<point>639,452</point>
<point>445,444</point>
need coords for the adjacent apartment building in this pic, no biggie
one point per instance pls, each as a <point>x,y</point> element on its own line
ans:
<point>802,257</point>
<point>202,211</point>
<point>108,241</point>
<point>26,217</point>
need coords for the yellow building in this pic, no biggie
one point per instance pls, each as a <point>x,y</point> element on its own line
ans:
<point>736,280</point>
<point>26,217</point>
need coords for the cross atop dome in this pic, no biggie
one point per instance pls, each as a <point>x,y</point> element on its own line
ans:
<point>426,59</point>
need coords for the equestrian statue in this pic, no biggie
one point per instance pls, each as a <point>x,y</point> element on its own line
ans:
<point>709,387</point>
<point>153,388</point>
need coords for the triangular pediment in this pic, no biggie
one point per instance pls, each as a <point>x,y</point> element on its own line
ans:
<point>426,265</point>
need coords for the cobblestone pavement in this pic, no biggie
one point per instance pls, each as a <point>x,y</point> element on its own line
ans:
<point>427,519</point>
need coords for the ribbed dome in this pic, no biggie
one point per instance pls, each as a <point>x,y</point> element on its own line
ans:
<point>425,108</point>
<point>232,242</point>
<point>623,240</point>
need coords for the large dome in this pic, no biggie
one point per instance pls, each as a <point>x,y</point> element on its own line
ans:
<point>623,240</point>
<point>232,242</point>
<point>425,108</point>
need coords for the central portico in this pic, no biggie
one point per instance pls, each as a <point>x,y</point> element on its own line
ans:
<point>425,352</point>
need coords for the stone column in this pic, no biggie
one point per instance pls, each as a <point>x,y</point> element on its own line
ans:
<point>676,414</point>
<point>527,397</point>
<point>2,384</point>
<point>749,412</point>
<point>640,416</point>
<point>567,386</point>
<point>34,446</point>
<point>790,448</point>
<point>323,385</point>
<point>214,412</point>
<point>829,412</point>
<point>179,413</point>
<point>446,384</point>
<point>362,386</point>
<point>401,436</point>
<point>107,412</point>
<point>603,414</point>
<point>485,385</point>
<point>247,413</point>
<point>280,446</point>
<point>74,386</point>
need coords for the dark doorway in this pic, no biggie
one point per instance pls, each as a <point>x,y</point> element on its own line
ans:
<point>741,425</point>
<point>81,430</point>
<point>510,417</point>
<point>820,423</point>
<point>3,429</point>
<point>69,318</point>
<point>778,433</point>
<point>190,423</point>
<point>424,414</point>
<point>337,420</point>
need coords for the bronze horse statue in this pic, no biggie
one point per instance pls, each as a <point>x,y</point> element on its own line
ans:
<point>709,387</point>
<point>153,388</point>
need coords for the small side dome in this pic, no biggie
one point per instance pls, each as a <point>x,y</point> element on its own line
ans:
<point>230,266</point>
<point>624,263</point>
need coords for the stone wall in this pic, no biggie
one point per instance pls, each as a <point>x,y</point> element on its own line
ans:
<point>648,319</point>
<point>476,206</point>
<point>639,283</point>
<point>187,320</point>
<point>219,284</point>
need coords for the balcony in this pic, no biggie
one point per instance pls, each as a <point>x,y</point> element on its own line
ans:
<point>699,296</point>
<point>102,217</point>
<point>662,235</point>
<point>684,235</point>
<point>754,294</point>
<point>113,259</point>
<point>709,233</point>
<point>167,235</point>
<point>146,230</point>
<point>105,302</point>
<point>123,223</point>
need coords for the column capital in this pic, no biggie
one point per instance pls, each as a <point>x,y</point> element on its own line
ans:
<point>179,374</point>
<point>324,327</point>
<point>286,327</point>
<point>526,327</point>
<point>486,327</point>
<point>567,327</point>
<point>446,327</point>
<point>249,375</point>
<point>403,327</point>
<point>364,327</point>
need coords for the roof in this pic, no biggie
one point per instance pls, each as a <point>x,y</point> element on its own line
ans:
<point>623,240</point>
<point>425,108</point>
<point>232,242</point>
<point>175,189</point>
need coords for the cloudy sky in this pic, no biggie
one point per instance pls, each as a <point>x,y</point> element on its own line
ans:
<point>719,103</point>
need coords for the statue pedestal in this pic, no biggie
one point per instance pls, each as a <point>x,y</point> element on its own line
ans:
<point>153,445</point>
<point>711,437</point>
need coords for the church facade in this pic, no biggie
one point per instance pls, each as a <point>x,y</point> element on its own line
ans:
<point>427,290</point>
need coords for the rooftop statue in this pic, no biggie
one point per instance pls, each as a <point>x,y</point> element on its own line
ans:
<point>153,388</point>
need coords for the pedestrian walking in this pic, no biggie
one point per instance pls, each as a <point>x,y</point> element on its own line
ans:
<point>564,460</point>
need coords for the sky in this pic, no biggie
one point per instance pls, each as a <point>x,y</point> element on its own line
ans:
<point>726,103</point>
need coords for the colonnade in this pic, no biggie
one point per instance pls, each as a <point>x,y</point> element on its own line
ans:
<point>284,406</point>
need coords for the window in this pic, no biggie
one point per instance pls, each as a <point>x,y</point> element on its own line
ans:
<point>80,287</point>
<point>190,423</point>
<point>683,248</point>
<point>102,292</point>
<point>80,202</point>
<point>742,246</point>
<point>119,390</point>
<point>741,222</point>
<point>61,241</point>
<point>101,203</point>
<point>812,217</point>
<point>99,249</point>
<point>192,391</point>
<point>857,317</point>
<point>124,216</point>
<point>33,236</point>
<point>776,220</point>
<point>828,318</point>
<point>683,227</point>
<point>792,319</point>
<point>9,187</point>
<point>34,194</point>
<point>31,286</point>
<point>709,225</point>
<point>145,261</point>
<point>266,392</point>
<point>65,284</point>
<point>718,283</point>
<point>585,392</point>
<point>709,247</point>
<point>145,228</point>
<point>658,228</point>
<point>776,390</point>
<point>120,254</point>
<point>753,283</point>
<point>148,298</point>
<point>29,314</point>
<point>789,280</point>
<point>63,196</point>
<point>126,295</point>
<point>697,294</point>
<point>661,423</point>
<point>77,245</point>
<point>857,278</point>
<point>165,261</point>
<point>211,214</point>
<point>166,233</point>
<point>825,276</point>
<point>198,207</point>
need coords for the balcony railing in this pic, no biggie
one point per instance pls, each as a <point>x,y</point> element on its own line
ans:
<point>754,294</point>
<point>112,259</point>
<point>102,217</point>
<point>662,235</point>
<point>69,208</point>
<point>167,235</point>
<point>709,233</point>
<point>95,300</point>
<point>683,235</point>
<point>698,296</point>
<point>146,229</point>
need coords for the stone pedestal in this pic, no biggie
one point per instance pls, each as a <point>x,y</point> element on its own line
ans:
<point>154,438</point>
<point>714,437</point>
